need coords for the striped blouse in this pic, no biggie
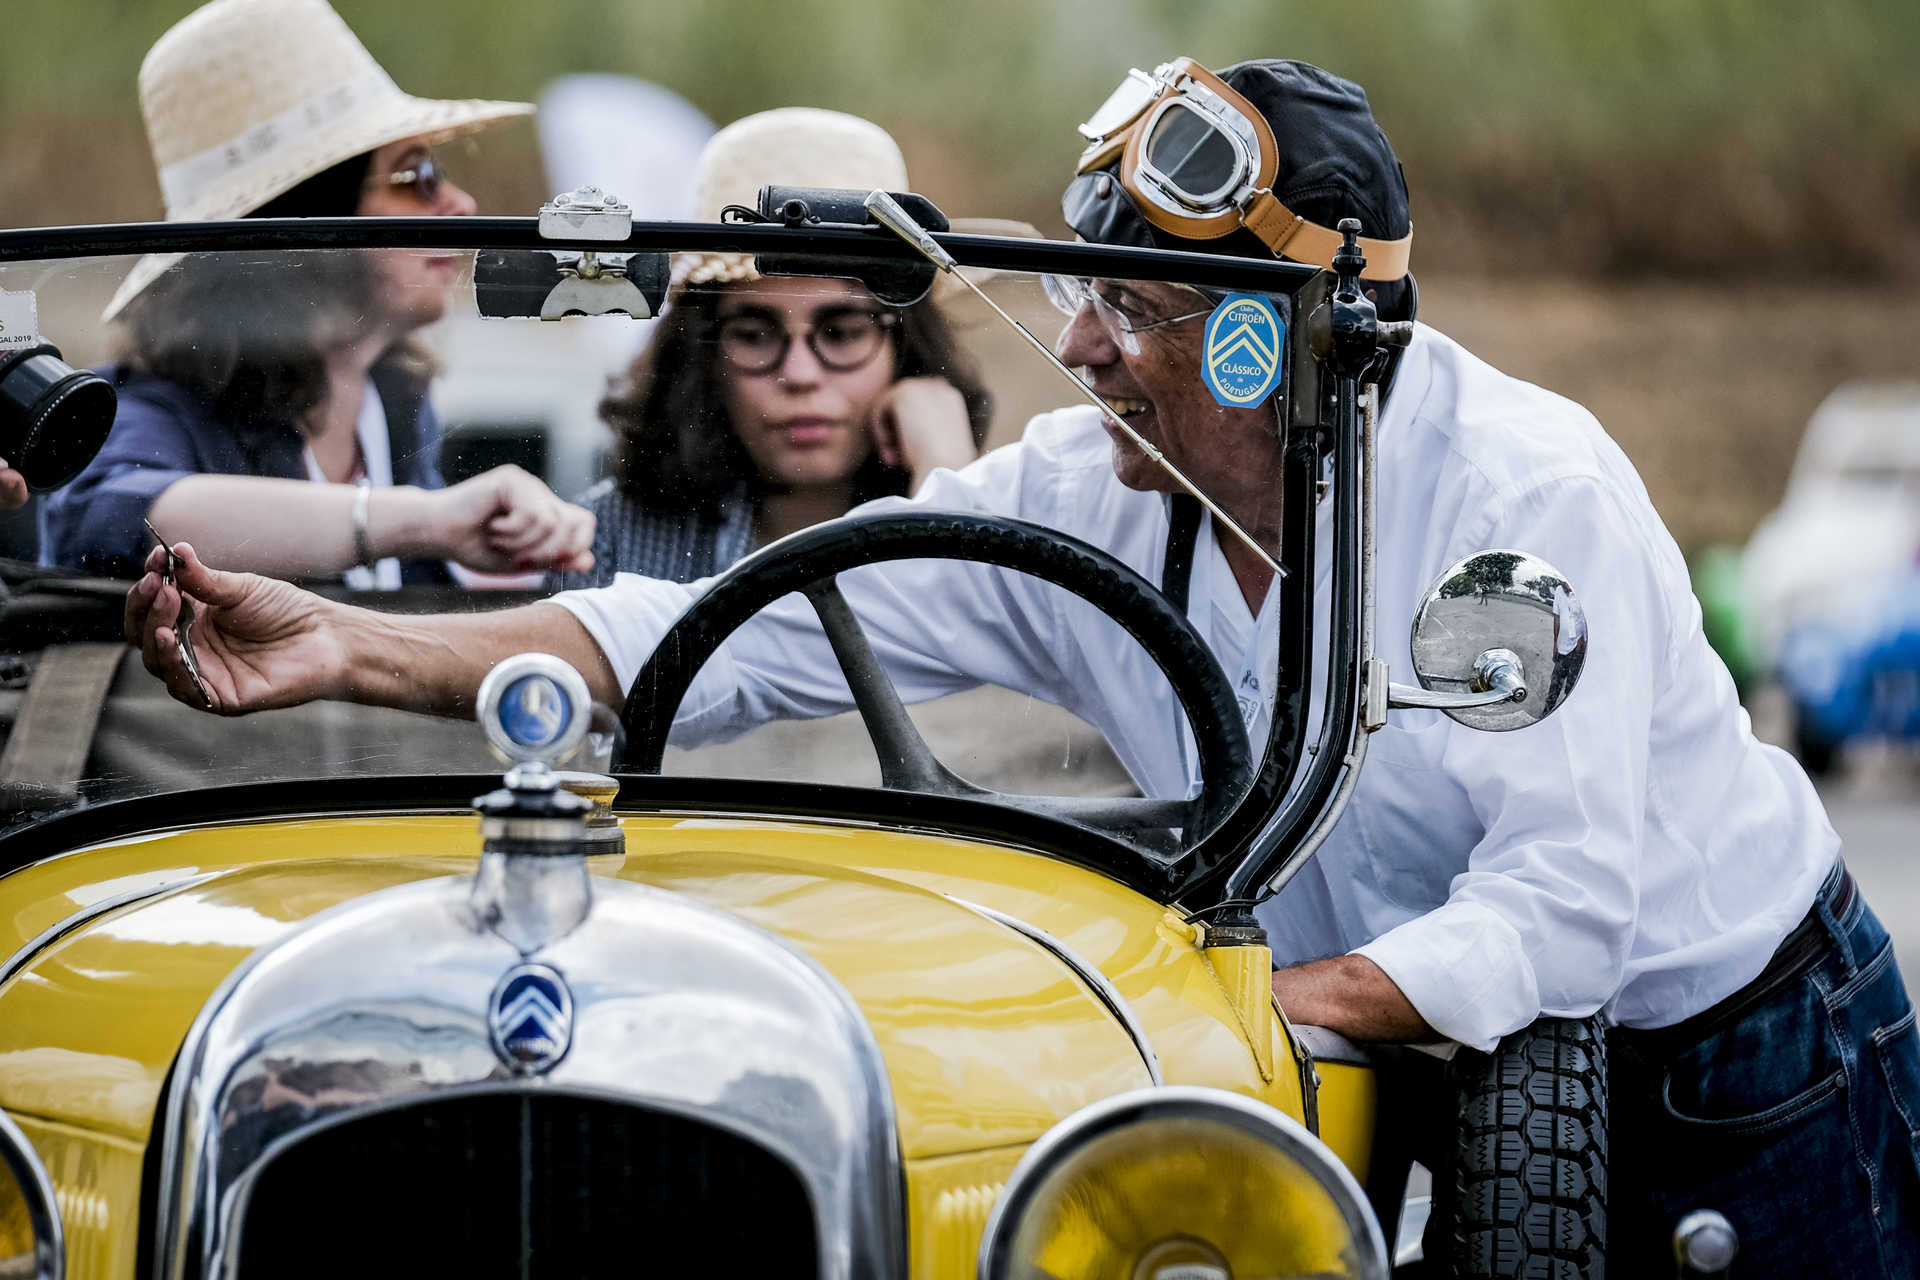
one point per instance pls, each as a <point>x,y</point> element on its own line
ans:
<point>676,545</point>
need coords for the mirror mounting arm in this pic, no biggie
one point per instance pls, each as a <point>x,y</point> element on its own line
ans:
<point>1498,676</point>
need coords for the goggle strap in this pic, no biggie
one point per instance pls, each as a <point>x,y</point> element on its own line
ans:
<point>1282,230</point>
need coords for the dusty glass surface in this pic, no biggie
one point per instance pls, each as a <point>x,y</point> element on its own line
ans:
<point>781,379</point>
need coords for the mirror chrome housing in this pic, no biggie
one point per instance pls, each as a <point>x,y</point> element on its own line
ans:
<point>1498,643</point>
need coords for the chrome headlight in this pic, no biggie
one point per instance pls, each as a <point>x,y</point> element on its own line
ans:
<point>1181,1183</point>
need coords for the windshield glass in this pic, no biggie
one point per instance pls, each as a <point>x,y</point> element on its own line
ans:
<point>757,407</point>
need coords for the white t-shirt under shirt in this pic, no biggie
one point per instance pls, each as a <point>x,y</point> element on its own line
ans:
<point>1638,851</point>
<point>376,453</point>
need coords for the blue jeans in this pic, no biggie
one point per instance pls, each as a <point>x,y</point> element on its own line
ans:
<point>1798,1118</point>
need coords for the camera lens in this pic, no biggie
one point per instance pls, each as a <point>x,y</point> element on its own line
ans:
<point>53,417</point>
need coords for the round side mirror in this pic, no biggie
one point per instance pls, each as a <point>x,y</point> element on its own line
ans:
<point>1500,621</point>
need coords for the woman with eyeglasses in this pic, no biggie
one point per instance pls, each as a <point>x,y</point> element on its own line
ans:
<point>273,408</point>
<point>768,403</point>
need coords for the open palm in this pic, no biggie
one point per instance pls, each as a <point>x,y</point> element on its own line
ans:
<point>258,642</point>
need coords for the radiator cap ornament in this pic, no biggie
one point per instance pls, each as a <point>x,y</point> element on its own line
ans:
<point>530,1018</point>
<point>534,709</point>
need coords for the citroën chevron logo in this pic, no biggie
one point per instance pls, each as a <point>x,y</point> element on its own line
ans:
<point>530,1018</point>
<point>1243,352</point>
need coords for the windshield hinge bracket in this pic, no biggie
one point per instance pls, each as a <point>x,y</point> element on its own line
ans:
<point>1374,690</point>
<point>587,213</point>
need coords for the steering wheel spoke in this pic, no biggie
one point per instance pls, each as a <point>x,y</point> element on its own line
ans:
<point>907,763</point>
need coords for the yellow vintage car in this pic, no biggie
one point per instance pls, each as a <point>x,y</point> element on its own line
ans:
<point>317,991</point>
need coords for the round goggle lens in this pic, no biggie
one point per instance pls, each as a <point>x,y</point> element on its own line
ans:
<point>1193,156</point>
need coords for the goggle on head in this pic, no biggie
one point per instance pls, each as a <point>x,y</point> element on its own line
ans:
<point>1198,162</point>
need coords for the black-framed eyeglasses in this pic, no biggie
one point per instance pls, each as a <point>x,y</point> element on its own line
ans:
<point>842,339</point>
<point>423,177</point>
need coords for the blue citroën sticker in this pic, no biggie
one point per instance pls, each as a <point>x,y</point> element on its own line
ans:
<point>531,1017</point>
<point>1242,362</point>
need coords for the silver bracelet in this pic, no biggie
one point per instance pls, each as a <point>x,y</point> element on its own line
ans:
<point>362,511</point>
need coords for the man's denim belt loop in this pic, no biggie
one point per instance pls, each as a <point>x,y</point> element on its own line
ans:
<point>1832,908</point>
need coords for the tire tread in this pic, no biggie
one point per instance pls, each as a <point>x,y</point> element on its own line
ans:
<point>1529,1187</point>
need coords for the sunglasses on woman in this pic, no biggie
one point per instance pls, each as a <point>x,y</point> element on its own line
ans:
<point>842,339</point>
<point>423,177</point>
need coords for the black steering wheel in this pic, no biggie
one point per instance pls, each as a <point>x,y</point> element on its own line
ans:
<point>809,562</point>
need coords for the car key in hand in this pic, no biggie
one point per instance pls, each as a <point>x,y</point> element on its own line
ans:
<point>183,626</point>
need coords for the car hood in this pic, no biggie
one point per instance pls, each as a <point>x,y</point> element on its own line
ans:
<point>988,1036</point>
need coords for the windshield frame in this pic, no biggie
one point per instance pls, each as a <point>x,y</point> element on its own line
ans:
<point>1229,861</point>
<point>1002,253</point>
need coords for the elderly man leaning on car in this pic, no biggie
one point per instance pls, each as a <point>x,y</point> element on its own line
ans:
<point>1641,855</point>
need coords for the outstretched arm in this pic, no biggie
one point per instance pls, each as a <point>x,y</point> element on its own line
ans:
<point>263,643</point>
<point>498,522</point>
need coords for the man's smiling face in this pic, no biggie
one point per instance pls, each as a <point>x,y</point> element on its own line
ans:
<point>1153,379</point>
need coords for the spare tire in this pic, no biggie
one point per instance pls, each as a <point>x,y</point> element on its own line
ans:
<point>1527,1195</point>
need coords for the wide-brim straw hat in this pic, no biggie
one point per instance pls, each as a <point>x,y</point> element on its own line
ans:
<point>799,147</point>
<point>785,147</point>
<point>246,99</point>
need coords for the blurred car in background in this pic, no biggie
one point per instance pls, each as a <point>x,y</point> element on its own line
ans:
<point>1855,673</point>
<point>1831,579</point>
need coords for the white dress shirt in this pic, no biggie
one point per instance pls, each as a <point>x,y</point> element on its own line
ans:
<point>1638,851</point>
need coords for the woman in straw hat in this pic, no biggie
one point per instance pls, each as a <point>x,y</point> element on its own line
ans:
<point>766,404</point>
<point>280,421</point>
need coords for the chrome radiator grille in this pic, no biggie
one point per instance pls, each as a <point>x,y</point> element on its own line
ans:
<point>526,1185</point>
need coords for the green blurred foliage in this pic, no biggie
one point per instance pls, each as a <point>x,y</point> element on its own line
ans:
<point>1705,136</point>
